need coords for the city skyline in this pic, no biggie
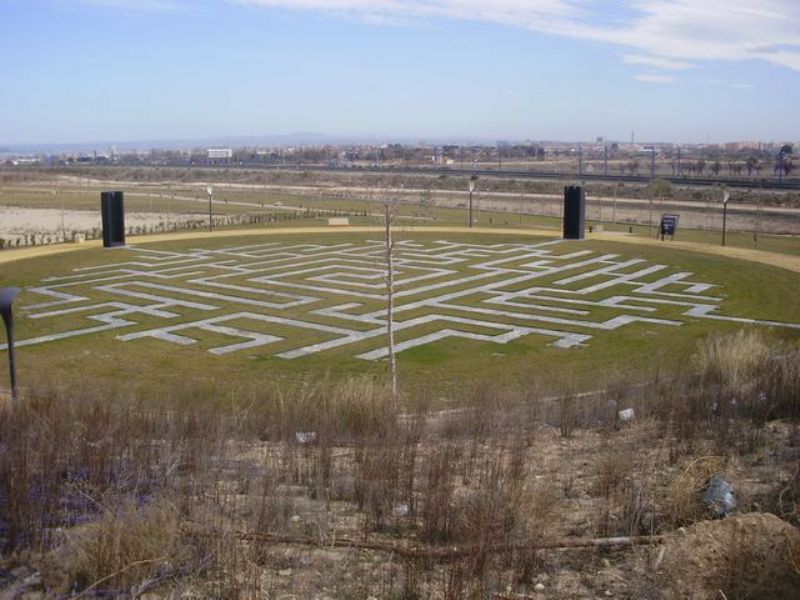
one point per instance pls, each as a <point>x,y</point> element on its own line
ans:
<point>112,71</point>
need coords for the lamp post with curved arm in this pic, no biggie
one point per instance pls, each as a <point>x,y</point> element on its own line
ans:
<point>725,198</point>
<point>210,192</point>
<point>7,296</point>
<point>473,182</point>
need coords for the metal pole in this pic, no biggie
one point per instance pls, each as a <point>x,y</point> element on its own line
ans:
<point>210,192</point>
<point>724,220</point>
<point>470,205</point>
<point>11,362</point>
<point>7,296</point>
<point>725,199</point>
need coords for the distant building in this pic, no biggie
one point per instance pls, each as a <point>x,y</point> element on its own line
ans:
<point>739,146</point>
<point>220,154</point>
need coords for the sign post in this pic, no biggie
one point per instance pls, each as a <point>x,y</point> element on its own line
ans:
<point>669,225</point>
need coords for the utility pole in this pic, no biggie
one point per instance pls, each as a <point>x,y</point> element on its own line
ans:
<point>605,160</point>
<point>580,160</point>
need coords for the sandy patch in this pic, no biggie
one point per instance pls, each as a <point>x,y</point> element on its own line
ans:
<point>19,222</point>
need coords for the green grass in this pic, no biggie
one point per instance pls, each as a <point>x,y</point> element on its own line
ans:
<point>633,351</point>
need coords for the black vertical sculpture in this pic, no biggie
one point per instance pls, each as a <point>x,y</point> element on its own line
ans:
<point>574,212</point>
<point>7,296</point>
<point>113,210</point>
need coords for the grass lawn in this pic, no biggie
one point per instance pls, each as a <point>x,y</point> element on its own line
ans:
<point>632,351</point>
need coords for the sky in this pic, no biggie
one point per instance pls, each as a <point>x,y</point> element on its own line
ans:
<point>665,70</point>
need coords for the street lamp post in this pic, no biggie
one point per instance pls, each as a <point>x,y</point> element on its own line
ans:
<point>471,190</point>
<point>725,197</point>
<point>210,192</point>
<point>7,296</point>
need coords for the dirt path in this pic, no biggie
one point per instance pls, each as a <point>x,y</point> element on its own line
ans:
<point>791,263</point>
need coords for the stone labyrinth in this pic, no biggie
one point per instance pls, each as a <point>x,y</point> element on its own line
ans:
<point>296,300</point>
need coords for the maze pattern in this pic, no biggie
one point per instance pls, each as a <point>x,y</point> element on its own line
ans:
<point>264,295</point>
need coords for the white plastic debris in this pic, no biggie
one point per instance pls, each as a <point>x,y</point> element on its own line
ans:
<point>306,437</point>
<point>401,509</point>
<point>626,414</point>
<point>719,496</point>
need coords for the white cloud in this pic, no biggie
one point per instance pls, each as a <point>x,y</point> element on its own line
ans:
<point>766,30</point>
<point>656,62</point>
<point>659,34</point>
<point>664,34</point>
<point>655,78</point>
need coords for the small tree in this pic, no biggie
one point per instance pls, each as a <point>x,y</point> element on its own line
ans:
<point>388,217</point>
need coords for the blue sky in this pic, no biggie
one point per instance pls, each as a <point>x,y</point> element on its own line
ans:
<point>670,70</point>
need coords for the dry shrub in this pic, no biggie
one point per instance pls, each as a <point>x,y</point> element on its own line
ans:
<point>733,361</point>
<point>744,380</point>
<point>683,505</point>
<point>568,414</point>
<point>122,550</point>
<point>343,410</point>
<point>67,453</point>
<point>376,481</point>
<point>624,486</point>
<point>489,513</point>
<point>437,493</point>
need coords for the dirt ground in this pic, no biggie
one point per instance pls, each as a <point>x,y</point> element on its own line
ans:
<point>19,222</point>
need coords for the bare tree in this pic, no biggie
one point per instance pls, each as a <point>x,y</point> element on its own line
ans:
<point>388,217</point>
<point>752,165</point>
<point>700,166</point>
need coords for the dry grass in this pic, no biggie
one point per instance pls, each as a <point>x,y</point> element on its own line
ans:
<point>105,495</point>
